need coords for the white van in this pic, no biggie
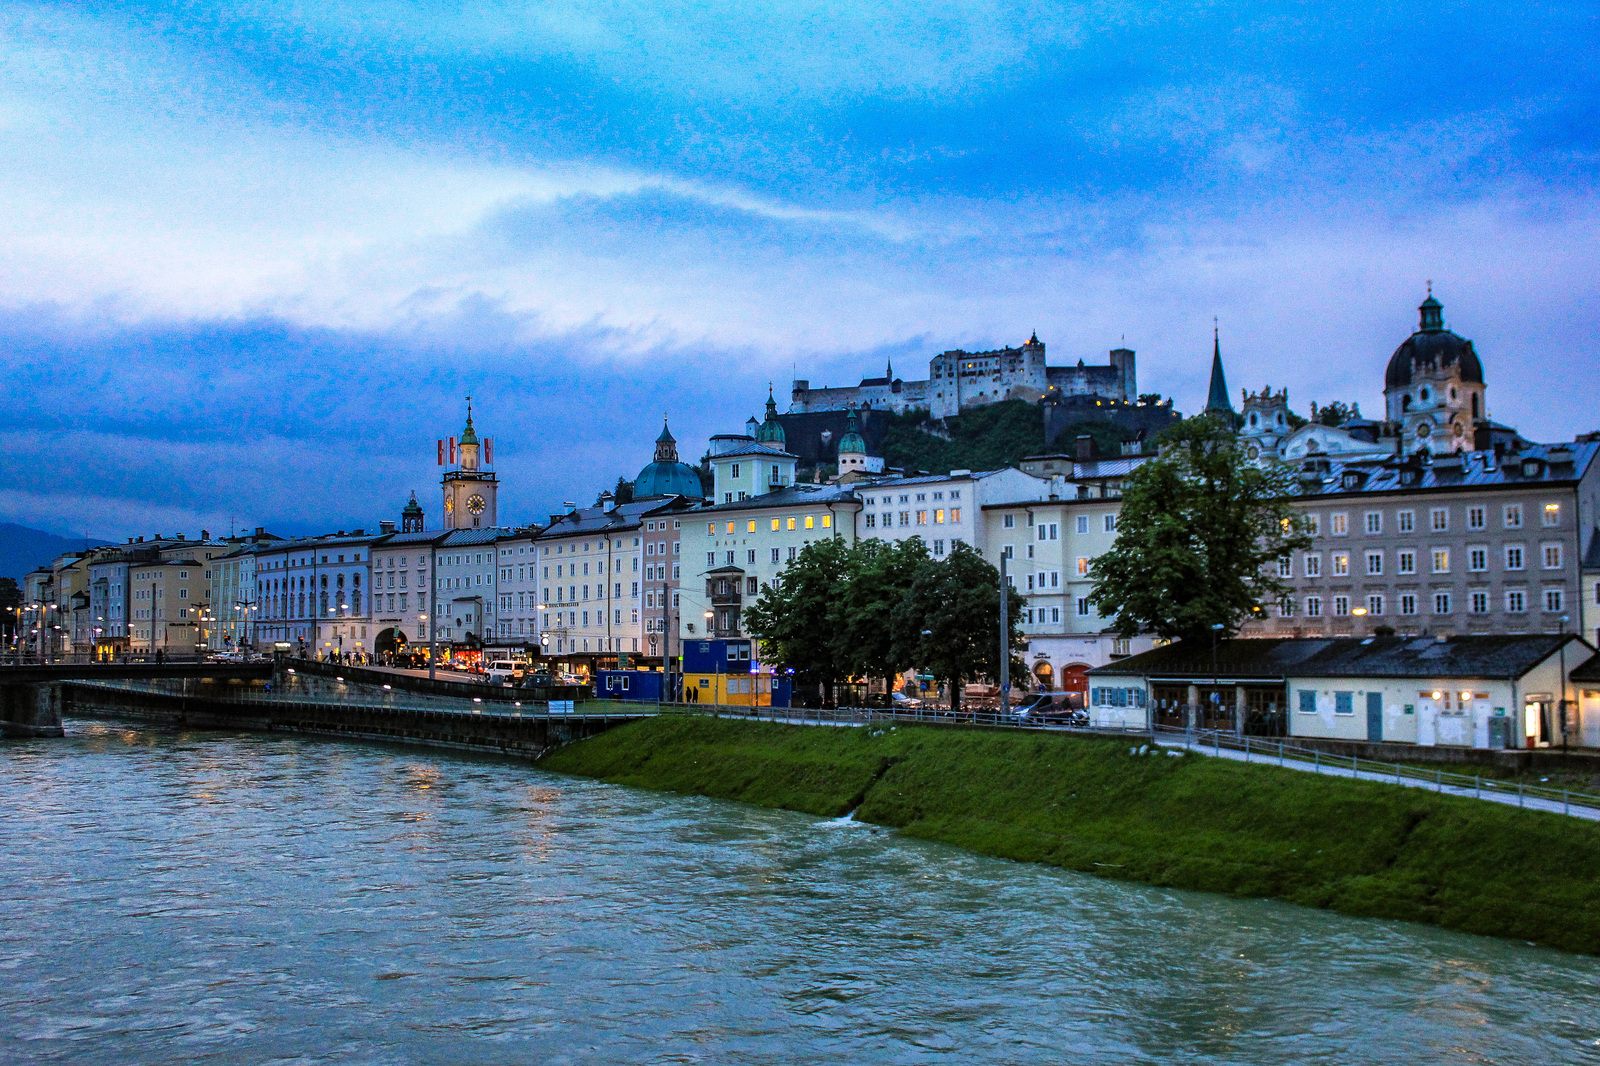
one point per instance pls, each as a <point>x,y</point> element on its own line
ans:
<point>503,672</point>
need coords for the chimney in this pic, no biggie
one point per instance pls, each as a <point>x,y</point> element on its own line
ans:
<point>385,527</point>
<point>180,536</point>
<point>1085,447</point>
<point>205,534</point>
<point>362,533</point>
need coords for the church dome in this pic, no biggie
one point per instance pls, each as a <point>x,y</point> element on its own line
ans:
<point>852,443</point>
<point>1432,345</point>
<point>771,430</point>
<point>666,476</point>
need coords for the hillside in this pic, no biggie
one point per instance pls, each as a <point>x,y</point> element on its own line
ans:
<point>984,438</point>
<point>22,549</point>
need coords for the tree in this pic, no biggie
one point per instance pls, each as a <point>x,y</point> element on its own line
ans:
<point>623,492</point>
<point>1336,413</point>
<point>877,577</point>
<point>949,621</point>
<point>793,617</point>
<point>1199,528</point>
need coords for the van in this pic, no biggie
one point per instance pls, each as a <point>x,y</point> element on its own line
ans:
<point>502,672</point>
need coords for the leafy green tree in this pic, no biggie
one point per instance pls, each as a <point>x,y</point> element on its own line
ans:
<point>1336,413</point>
<point>1199,531</point>
<point>793,618</point>
<point>949,621</point>
<point>624,491</point>
<point>878,575</point>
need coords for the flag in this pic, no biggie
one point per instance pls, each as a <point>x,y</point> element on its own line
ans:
<point>488,450</point>
<point>452,449</point>
<point>441,452</point>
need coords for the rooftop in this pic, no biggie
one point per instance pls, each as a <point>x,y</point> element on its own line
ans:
<point>1277,658</point>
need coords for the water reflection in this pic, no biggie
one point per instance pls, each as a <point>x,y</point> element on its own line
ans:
<point>223,898</point>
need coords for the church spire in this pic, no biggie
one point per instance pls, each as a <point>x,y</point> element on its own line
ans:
<point>666,444</point>
<point>1217,401</point>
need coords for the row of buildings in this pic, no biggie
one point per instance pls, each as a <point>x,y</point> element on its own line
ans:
<point>1434,522</point>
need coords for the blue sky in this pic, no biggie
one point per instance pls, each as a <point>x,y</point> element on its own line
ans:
<point>253,255</point>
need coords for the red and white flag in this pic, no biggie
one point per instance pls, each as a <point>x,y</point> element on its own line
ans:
<point>441,452</point>
<point>488,450</point>
<point>452,449</point>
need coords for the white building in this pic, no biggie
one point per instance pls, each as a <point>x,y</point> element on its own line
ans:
<point>401,567</point>
<point>465,593</point>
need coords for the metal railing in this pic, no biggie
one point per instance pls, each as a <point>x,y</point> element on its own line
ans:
<point>1282,753</point>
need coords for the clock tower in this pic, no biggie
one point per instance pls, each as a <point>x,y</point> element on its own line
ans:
<point>469,490</point>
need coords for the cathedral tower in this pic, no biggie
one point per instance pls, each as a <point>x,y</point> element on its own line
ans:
<point>1434,387</point>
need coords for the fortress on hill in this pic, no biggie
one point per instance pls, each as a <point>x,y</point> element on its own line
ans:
<point>958,380</point>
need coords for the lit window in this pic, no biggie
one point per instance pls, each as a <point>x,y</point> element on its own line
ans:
<point>810,522</point>
<point>1552,514</point>
<point>1083,566</point>
<point>750,527</point>
<point>775,525</point>
<point>1441,560</point>
<point>711,531</point>
<point>788,523</point>
<point>827,521</point>
<point>1340,525</point>
<point>730,527</point>
<point>1341,564</point>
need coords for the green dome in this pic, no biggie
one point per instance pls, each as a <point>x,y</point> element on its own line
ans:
<point>412,508</point>
<point>852,443</point>
<point>666,476</point>
<point>771,431</point>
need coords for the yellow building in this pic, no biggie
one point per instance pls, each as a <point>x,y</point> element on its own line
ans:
<point>168,607</point>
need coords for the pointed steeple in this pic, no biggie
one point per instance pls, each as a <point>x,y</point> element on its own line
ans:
<point>1432,314</point>
<point>469,436</point>
<point>666,444</point>
<point>1217,401</point>
<point>888,369</point>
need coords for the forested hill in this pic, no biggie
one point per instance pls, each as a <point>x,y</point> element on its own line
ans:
<point>983,438</point>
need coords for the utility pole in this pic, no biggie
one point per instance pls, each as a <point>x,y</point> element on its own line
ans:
<point>433,611</point>
<point>1005,640</point>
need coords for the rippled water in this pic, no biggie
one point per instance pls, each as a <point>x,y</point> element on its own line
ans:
<point>237,898</point>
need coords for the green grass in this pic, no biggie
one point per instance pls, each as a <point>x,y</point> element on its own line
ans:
<point>1356,847</point>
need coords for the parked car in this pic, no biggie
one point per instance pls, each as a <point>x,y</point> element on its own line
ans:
<point>1050,708</point>
<point>503,672</point>
<point>905,703</point>
<point>537,679</point>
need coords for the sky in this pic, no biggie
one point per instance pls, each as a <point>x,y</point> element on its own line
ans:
<point>254,256</point>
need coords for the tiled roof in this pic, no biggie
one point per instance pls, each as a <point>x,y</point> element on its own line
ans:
<point>485,535</point>
<point>1465,470</point>
<point>1276,658</point>
<point>790,496</point>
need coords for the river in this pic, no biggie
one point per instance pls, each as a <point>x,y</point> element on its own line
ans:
<point>239,898</point>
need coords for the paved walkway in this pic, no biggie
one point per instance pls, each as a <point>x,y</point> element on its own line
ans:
<point>1332,769</point>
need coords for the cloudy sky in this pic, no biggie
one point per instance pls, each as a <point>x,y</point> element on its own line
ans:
<point>253,254</point>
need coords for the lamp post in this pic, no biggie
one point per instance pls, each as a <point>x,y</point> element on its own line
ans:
<point>1005,640</point>
<point>1215,681</point>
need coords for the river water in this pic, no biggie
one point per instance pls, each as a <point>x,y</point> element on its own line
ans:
<point>236,898</point>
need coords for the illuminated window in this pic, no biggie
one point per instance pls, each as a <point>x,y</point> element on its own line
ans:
<point>750,527</point>
<point>938,520</point>
<point>775,525</point>
<point>810,521</point>
<point>827,521</point>
<point>789,523</point>
<point>711,530</point>
<point>730,527</point>
<point>1552,514</point>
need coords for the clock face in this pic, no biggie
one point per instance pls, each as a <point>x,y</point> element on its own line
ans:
<point>449,504</point>
<point>475,504</point>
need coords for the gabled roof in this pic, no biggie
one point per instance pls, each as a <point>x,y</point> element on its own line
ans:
<point>1275,658</point>
<point>466,537</point>
<point>1445,472</point>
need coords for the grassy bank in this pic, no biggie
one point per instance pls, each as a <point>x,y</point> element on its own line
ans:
<point>1357,847</point>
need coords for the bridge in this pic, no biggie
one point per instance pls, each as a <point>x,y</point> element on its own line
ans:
<point>294,695</point>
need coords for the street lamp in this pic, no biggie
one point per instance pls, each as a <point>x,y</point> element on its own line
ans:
<point>1215,682</point>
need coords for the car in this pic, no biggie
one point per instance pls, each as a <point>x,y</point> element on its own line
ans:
<point>1049,708</point>
<point>904,702</point>
<point>502,672</point>
<point>538,679</point>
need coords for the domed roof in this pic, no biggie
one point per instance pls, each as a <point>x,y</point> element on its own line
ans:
<point>1432,345</point>
<point>413,507</point>
<point>770,431</point>
<point>666,476</point>
<point>852,443</point>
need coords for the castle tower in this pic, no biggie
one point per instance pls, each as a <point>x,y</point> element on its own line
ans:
<point>412,518</point>
<point>470,491</point>
<point>1433,388</point>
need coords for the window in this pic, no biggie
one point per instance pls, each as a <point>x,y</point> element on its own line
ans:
<point>1478,603</point>
<point>1477,559</point>
<point>788,523</point>
<point>1408,603</point>
<point>1375,604</point>
<point>1285,566</point>
<point>1552,557</point>
<point>811,523</point>
<point>750,527</point>
<point>1313,565</point>
<point>775,525</point>
<point>1341,564</point>
<point>775,559</point>
<point>1407,521</point>
<point>1374,563</point>
<point>1552,600</point>
<point>1441,603</point>
<point>1475,518</point>
<point>1083,568</point>
<point>1551,515</point>
<point>1513,516</point>
<point>1374,521</point>
<point>938,520</point>
<point>711,560</point>
<point>750,557</point>
<point>1083,607</point>
<point>711,531</point>
<point>1516,601</point>
<point>736,474</point>
<point>1308,701</point>
<point>1344,703</point>
<point>1111,523</point>
<point>955,513</point>
<point>905,518</point>
<point>1083,523</point>
<point>922,520</point>
<point>1513,557</point>
<point>791,553</point>
<point>1441,560</point>
<point>1314,525</point>
<point>938,547</point>
<point>1341,606</point>
<point>1439,519</point>
<point>1339,524</point>
<point>872,523</point>
<point>1008,522</point>
<point>1041,529</point>
<point>1313,607</point>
